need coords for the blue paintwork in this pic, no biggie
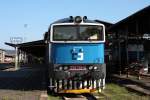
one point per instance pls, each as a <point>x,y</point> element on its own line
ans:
<point>71,53</point>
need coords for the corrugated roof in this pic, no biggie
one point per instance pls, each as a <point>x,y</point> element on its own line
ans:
<point>143,11</point>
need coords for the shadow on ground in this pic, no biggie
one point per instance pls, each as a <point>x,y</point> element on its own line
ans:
<point>26,78</point>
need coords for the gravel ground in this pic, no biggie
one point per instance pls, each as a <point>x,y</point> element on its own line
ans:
<point>19,95</point>
<point>23,84</point>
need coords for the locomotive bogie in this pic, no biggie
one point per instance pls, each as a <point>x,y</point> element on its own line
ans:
<point>77,79</point>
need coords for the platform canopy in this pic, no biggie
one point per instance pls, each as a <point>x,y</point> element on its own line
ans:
<point>36,48</point>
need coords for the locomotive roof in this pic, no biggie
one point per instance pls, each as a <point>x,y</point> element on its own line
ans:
<point>67,20</point>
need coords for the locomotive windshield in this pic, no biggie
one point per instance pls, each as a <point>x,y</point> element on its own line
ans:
<point>78,33</point>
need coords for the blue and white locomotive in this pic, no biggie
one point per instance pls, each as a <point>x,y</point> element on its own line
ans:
<point>76,55</point>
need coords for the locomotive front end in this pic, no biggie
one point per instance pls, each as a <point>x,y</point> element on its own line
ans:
<point>76,56</point>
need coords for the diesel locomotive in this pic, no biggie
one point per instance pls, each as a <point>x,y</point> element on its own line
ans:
<point>76,55</point>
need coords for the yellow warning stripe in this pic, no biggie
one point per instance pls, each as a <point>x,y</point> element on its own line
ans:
<point>78,91</point>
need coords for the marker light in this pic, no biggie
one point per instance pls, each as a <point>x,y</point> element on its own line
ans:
<point>90,67</point>
<point>95,68</point>
<point>78,19</point>
<point>60,68</point>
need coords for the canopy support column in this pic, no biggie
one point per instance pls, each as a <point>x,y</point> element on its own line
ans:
<point>16,58</point>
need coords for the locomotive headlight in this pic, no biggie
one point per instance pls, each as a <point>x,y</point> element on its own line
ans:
<point>90,67</point>
<point>78,19</point>
<point>60,68</point>
<point>95,68</point>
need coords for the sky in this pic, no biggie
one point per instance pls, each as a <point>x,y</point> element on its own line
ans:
<point>29,19</point>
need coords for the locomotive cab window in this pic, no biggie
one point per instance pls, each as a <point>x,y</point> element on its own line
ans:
<point>78,33</point>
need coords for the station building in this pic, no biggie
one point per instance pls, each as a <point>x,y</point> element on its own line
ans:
<point>2,55</point>
<point>131,39</point>
<point>7,56</point>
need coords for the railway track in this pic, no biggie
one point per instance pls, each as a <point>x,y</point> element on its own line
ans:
<point>146,76</point>
<point>86,96</point>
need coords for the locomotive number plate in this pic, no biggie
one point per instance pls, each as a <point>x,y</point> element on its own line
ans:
<point>77,67</point>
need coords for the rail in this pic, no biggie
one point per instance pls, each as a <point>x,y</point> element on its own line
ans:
<point>86,96</point>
